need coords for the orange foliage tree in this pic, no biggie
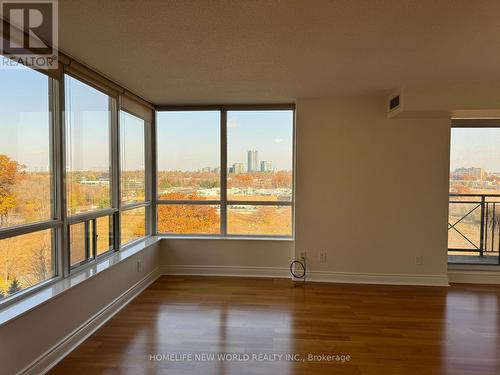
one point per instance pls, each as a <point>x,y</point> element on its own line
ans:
<point>10,172</point>
<point>177,218</point>
<point>282,179</point>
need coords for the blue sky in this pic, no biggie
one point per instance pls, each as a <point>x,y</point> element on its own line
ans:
<point>88,127</point>
<point>190,140</point>
<point>475,147</point>
<point>24,119</point>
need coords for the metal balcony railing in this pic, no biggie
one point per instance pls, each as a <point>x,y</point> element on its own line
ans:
<point>474,224</point>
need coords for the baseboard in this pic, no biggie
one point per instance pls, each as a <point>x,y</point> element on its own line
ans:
<point>241,271</point>
<point>55,354</point>
<point>377,278</point>
<point>474,277</point>
<point>318,276</point>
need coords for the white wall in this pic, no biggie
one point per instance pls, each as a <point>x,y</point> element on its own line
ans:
<point>371,191</point>
<point>233,252</point>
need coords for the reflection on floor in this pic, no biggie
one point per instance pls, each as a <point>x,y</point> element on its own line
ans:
<point>473,259</point>
<point>178,323</point>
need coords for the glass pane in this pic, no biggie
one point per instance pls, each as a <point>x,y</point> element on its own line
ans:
<point>260,155</point>
<point>25,168</point>
<point>191,219</point>
<point>88,124</point>
<point>474,205</point>
<point>78,243</point>
<point>133,224</point>
<point>259,220</point>
<point>188,155</point>
<point>104,234</point>
<point>132,159</point>
<point>25,260</point>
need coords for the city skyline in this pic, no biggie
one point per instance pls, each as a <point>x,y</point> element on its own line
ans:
<point>475,147</point>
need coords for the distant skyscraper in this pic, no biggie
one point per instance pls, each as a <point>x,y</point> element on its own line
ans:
<point>238,168</point>
<point>266,166</point>
<point>253,161</point>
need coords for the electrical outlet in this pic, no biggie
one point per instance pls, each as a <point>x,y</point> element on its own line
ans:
<point>303,255</point>
<point>322,257</point>
<point>419,260</point>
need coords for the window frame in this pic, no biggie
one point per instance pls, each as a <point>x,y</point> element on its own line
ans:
<point>469,123</point>
<point>55,222</point>
<point>114,146</point>
<point>223,202</point>
<point>60,220</point>
<point>148,179</point>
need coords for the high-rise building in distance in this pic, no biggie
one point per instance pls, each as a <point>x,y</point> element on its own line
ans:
<point>266,166</point>
<point>253,161</point>
<point>238,168</point>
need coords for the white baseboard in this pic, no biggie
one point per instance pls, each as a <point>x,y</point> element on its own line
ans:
<point>55,354</point>
<point>474,276</point>
<point>241,271</point>
<point>377,278</point>
<point>319,276</point>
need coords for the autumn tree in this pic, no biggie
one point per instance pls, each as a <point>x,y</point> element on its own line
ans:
<point>10,172</point>
<point>282,179</point>
<point>241,180</point>
<point>2,295</point>
<point>175,218</point>
<point>40,262</point>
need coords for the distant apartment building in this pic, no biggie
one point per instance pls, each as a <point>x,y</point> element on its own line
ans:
<point>253,161</point>
<point>238,168</point>
<point>266,166</point>
<point>472,172</point>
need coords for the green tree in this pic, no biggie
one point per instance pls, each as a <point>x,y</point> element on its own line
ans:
<point>14,287</point>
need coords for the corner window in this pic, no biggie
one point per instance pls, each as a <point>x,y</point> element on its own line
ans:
<point>225,172</point>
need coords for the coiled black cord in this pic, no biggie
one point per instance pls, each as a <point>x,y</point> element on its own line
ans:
<point>304,270</point>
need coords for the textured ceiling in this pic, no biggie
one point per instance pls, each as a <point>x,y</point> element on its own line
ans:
<point>192,52</point>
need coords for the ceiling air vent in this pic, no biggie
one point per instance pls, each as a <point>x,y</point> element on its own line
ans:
<point>394,104</point>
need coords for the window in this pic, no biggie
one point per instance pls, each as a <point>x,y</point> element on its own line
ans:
<point>133,224</point>
<point>260,171</point>
<point>90,239</point>
<point>27,211</point>
<point>89,171</point>
<point>88,140</point>
<point>474,203</point>
<point>237,185</point>
<point>133,159</point>
<point>188,155</point>
<point>25,148</point>
<point>75,185</point>
<point>135,203</point>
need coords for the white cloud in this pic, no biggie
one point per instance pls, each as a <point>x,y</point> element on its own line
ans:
<point>231,124</point>
<point>278,140</point>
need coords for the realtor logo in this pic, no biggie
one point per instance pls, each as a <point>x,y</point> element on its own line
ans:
<point>29,34</point>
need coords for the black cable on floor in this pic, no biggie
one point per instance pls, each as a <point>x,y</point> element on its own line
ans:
<point>304,271</point>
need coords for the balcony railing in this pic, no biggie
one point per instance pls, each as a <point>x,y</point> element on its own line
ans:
<point>474,228</point>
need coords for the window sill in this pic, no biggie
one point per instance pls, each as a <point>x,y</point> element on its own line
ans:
<point>19,307</point>
<point>240,238</point>
<point>473,267</point>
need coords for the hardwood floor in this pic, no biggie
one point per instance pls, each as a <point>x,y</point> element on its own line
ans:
<point>384,329</point>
